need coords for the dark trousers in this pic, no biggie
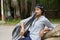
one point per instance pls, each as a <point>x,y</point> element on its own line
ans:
<point>26,35</point>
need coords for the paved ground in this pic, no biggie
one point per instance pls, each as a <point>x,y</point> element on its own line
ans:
<point>6,31</point>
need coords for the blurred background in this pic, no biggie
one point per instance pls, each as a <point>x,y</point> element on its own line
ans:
<point>13,11</point>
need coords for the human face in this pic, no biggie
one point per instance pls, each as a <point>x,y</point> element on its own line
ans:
<point>38,11</point>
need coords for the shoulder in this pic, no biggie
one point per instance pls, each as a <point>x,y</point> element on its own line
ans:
<point>43,18</point>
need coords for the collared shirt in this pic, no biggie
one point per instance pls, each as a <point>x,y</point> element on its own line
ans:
<point>37,26</point>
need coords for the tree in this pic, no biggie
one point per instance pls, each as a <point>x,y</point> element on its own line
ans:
<point>59,8</point>
<point>26,9</point>
<point>33,4</point>
<point>21,8</point>
<point>14,4</point>
<point>6,8</point>
<point>2,12</point>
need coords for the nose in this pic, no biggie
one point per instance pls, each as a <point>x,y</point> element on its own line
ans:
<point>35,11</point>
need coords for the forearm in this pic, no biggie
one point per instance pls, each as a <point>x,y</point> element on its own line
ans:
<point>43,31</point>
<point>22,29</point>
<point>22,25</point>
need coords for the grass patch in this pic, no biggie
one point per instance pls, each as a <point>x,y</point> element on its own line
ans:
<point>13,21</point>
<point>55,20</point>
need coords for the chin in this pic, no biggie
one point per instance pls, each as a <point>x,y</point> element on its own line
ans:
<point>37,14</point>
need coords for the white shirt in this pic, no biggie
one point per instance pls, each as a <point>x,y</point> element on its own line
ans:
<point>37,26</point>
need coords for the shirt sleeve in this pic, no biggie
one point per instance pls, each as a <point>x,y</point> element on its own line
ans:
<point>49,24</point>
<point>26,20</point>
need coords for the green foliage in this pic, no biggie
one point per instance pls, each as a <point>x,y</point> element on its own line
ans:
<point>55,20</point>
<point>49,4</point>
<point>24,13</point>
<point>13,21</point>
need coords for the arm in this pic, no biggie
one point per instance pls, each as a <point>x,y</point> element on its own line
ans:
<point>23,22</point>
<point>49,24</point>
<point>22,29</point>
<point>22,25</point>
<point>47,29</point>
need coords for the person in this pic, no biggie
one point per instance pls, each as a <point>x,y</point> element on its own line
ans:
<point>36,31</point>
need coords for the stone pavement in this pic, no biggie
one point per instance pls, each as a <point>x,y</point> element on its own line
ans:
<point>6,31</point>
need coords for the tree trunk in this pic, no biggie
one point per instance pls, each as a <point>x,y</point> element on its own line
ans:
<point>21,8</point>
<point>7,8</point>
<point>33,4</point>
<point>26,10</point>
<point>59,8</point>
<point>14,4</point>
<point>2,12</point>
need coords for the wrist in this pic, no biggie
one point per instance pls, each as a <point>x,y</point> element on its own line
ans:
<point>22,28</point>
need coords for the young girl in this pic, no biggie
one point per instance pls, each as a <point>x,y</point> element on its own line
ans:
<point>36,30</point>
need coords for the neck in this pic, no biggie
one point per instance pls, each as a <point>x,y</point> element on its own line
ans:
<point>37,16</point>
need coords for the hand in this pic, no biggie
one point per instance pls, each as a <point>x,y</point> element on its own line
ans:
<point>41,33</point>
<point>46,29</point>
<point>22,32</point>
<point>43,30</point>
